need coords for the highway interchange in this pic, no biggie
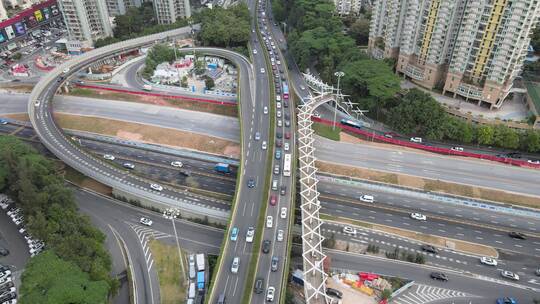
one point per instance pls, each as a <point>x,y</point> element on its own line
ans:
<point>337,200</point>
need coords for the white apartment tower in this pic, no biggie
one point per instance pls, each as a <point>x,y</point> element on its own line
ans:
<point>168,11</point>
<point>348,7</point>
<point>471,48</point>
<point>120,7</point>
<point>86,20</point>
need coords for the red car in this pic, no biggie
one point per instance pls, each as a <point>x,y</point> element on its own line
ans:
<point>287,135</point>
<point>279,143</point>
<point>273,200</point>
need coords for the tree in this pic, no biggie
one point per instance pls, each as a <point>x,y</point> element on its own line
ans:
<point>48,279</point>
<point>209,83</point>
<point>386,294</point>
<point>505,137</point>
<point>16,56</point>
<point>360,31</point>
<point>419,114</point>
<point>530,141</point>
<point>484,135</point>
<point>184,82</point>
<point>225,27</point>
<point>535,39</point>
<point>371,83</point>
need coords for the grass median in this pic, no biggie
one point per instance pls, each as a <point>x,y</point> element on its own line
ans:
<point>327,131</point>
<point>172,283</point>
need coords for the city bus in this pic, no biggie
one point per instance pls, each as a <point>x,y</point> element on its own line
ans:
<point>287,165</point>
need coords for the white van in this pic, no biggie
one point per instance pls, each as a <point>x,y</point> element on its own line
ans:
<point>278,97</point>
<point>367,198</point>
<point>274,184</point>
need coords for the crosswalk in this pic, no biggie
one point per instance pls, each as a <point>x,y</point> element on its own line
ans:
<point>144,234</point>
<point>421,294</point>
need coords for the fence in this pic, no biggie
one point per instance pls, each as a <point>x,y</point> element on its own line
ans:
<point>446,151</point>
<point>223,103</point>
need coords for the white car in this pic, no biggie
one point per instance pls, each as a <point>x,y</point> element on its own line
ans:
<point>418,216</point>
<point>270,294</point>
<point>156,187</point>
<point>302,87</point>
<point>316,114</point>
<point>488,261</point>
<point>264,146</point>
<point>129,166</point>
<point>235,265</point>
<point>108,157</point>
<point>5,279</point>
<point>255,52</point>
<point>286,146</point>
<point>535,162</point>
<point>510,275</point>
<point>177,164</point>
<point>269,221</point>
<point>416,139</point>
<point>280,234</point>
<point>367,198</point>
<point>349,230</point>
<point>457,149</point>
<point>265,110</point>
<point>249,235</point>
<point>280,123</point>
<point>283,213</point>
<point>146,221</point>
<point>262,70</point>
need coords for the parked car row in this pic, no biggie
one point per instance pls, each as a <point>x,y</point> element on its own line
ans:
<point>8,292</point>
<point>35,246</point>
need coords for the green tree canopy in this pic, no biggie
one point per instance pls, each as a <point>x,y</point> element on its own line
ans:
<point>418,113</point>
<point>48,279</point>
<point>359,30</point>
<point>225,27</point>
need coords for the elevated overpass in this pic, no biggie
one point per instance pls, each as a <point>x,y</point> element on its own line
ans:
<point>40,109</point>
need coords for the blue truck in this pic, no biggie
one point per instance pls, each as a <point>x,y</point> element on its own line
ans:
<point>200,280</point>
<point>223,168</point>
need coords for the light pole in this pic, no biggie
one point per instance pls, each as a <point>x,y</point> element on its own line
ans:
<point>172,214</point>
<point>338,74</point>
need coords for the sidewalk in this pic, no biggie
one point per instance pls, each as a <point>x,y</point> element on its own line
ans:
<point>514,109</point>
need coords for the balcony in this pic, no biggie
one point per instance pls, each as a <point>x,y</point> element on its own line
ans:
<point>414,72</point>
<point>469,91</point>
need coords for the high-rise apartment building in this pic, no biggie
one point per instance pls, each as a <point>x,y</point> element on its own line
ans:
<point>119,7</point>
<point>168,11</point>
<point>348,7</point>
<point>471,48</point>
<point>86,20</point>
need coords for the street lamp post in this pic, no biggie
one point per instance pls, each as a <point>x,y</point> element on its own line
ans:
<point>338,74</point>
<point>172,214</point>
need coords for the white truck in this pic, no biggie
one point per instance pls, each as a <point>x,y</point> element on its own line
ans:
<point>200,261</point>
<point>191,292</point>
<point>147,87</point>
<point>192,266</point>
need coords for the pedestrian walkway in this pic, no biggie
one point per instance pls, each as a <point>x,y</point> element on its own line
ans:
<point>514,109</point>
<point>420,294</point>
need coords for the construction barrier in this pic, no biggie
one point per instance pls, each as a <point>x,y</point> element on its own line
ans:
<point>88,86</point>
<point>374,136</point>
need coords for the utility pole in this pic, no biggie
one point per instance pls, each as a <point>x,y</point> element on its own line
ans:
<point>338,74</point>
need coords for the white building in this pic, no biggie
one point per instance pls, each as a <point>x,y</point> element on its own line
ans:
<point>120,7</point>
<point>86,20</point>
<point>168,11</point>
<point>471,48</point>
<point>348,7</point>
<point>3,12</point>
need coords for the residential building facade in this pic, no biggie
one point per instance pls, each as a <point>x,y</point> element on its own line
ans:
<point>168,11</point>
<point>348,7</point>
<point>86,20</point>
<point>469,48</point>
<point>120,7</point>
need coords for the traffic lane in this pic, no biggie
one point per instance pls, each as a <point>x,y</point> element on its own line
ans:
<point>106,223</point>
<point>446,258</point>
<point>436,227</point>
<point>452,169</point>
<point>488,290</point>
<point>427,206</point>
<point>186,120</point>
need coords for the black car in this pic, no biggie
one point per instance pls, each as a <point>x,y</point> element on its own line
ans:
<point>430,249</point>
<point>3,268</point>
<point>8,297</point>
<point>251,183</point>
<point>517,235</point>
<point>514,155</point>
<point>334,292</point>
<point>259,286</point>
<point>439,276</point>
<point>279,135</point>
<point>283,190</point>
<point>4,251</point>
<point>184,173</point>
<point>266,246</point>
